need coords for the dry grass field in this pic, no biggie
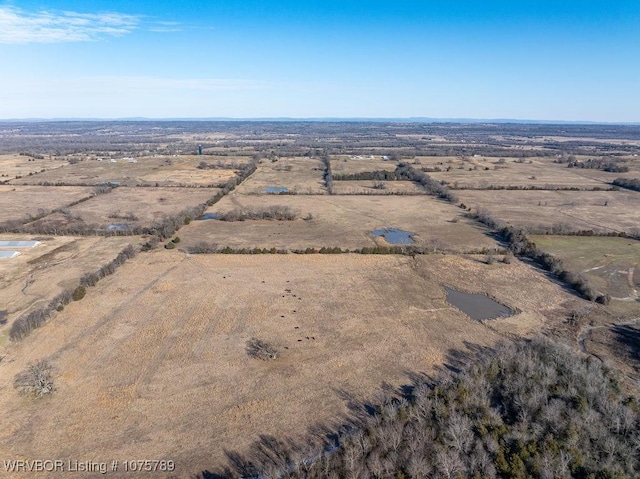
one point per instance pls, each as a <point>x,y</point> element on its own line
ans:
<point>612,211</point>
<point>48,269</point>
<point>146,204</point>
<point>161,170</point>
<point>152,363</point>
<point>17,202</point>
<point>365,187</point>
<point>298,175</point>
<point>12,166</point>
<point>344,221</point>
<point>349,165</point>
<point>539,173</point>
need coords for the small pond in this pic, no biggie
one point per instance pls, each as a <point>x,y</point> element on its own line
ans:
<point>477,306</point>
<point>209,216</point>
<point>394,235</point>
<point>118,227</point>
<point>277,189</point>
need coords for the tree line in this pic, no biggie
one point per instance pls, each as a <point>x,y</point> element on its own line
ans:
<point>524,409</point>
<point>629,183</point>
<point>25,324</point>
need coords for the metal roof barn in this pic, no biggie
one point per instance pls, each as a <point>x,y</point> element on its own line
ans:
<point>8,254</point>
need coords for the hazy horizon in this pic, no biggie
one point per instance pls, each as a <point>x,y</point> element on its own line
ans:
<point>464,61</point>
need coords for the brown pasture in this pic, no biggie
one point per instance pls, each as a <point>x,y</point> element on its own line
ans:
<point>298,175</point>
<point>22,165</point>
<point>48,269</point>
<point>344,221</point>
<point>160,170</point>
<point>147,204</point>
<point>17,202</point>
<point>366,187</point>
<point>612,211</point>
<point>482,173</point>
<point>348,165</point>
<point>152,363</point>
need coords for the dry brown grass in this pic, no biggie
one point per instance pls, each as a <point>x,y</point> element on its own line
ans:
<point>348,165</point>
<point>344,221</point>
<point>17,202</point>
<point>147,204</point>
<point>533,172</point>
<point>298,175</point>
<point>164,170</point>
<point>364,187</point>
<point>581,210</point>
<point>55,265</point>
<point>20,165</point>
<point>152,363</point>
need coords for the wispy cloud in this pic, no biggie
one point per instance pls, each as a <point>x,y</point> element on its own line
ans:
<point>20,27</point>
<point>115,85</point>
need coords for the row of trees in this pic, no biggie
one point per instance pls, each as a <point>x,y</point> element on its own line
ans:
<point>431,186</point>
<point>629,183</point>
<point>327,175</point>
<point>604,164</point>
<point>520,410</point>
<point>377,175</point>
<point>204,247</point>
<point>17,226</point>
<point>275,212</point>
<point>520,244</point>
<point>25,324</point>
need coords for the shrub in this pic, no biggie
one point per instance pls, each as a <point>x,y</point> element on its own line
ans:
<point>170,245</point>
<point>37,379</point>
<point>256,348</point>
<point>79,293</point>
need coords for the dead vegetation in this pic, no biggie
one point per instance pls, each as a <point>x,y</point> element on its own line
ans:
<point>36,380</point>
<point>259,349</point>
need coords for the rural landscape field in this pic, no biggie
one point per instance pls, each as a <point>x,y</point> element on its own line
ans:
<point>240,299</point>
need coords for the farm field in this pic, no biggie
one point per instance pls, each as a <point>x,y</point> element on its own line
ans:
<point>298,175</point>
<point>349,165</point>
<point>343,221</point>
<point>482,173</point>
<point>149,171</point>
<point>611,264</point>
<point>157,350</point>
<point>32,279</point>
<point>608,211</point>
<point>20,202</point>
<point>127,207</point>
<point>366,187</point>
<point>23,165</point>
<point>153,361</point>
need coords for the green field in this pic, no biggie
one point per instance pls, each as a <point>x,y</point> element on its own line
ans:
<point>612,264</point>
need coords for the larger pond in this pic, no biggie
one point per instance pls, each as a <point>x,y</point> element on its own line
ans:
<point>477,306</point>
<point>119,227</point>
<point>209,216</point>
<point>394,235</point>
<point>276,189</point>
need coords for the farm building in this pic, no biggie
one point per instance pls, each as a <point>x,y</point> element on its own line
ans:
<point>9,254</point>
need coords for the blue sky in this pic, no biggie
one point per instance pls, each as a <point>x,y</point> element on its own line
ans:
<point>536,59</point>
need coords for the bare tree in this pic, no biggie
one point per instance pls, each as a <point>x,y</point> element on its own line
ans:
<point>37,379</point>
